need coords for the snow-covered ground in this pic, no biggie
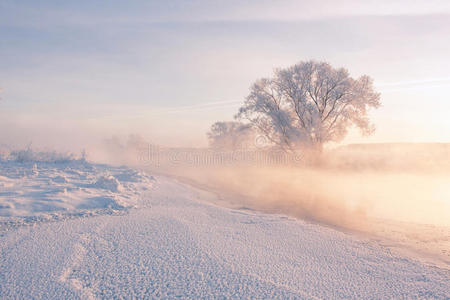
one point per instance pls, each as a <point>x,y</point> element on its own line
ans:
<point>34,189</point>
<point>78,230</point>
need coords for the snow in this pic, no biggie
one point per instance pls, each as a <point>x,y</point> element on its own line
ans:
<point>74,230</point>
<point>109,183</point>
<point>32,188</point>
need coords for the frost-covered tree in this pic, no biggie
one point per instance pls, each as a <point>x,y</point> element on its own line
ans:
<point>230,135</point>
<point>308,105</point>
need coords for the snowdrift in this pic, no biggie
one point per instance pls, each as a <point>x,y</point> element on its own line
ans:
<point>39,183</point>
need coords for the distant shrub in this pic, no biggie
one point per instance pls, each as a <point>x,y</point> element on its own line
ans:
<point>28,155</point>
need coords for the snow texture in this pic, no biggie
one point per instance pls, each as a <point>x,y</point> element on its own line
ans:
<point>34,188</point>
<point>173,243</point>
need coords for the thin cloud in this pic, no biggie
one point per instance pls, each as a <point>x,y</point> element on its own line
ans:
<point>200,107</point>
<point>413,84</point>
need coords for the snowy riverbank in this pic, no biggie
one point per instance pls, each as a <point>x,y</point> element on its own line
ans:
<point>169,241</point>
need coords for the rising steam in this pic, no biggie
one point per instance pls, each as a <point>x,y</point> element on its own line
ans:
<point>397,192</point>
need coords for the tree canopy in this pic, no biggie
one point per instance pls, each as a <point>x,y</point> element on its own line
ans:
<point>309,104</point>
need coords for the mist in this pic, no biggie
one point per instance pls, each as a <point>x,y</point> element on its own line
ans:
<point>397,194</point>
<point>403,182</point>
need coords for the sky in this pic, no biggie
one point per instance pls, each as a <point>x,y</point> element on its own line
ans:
<point>73,72</point>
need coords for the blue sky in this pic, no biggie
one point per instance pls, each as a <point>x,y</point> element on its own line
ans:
<point>168,69</point>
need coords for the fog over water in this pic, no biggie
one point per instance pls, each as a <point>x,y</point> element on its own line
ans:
<point>398,194</point>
